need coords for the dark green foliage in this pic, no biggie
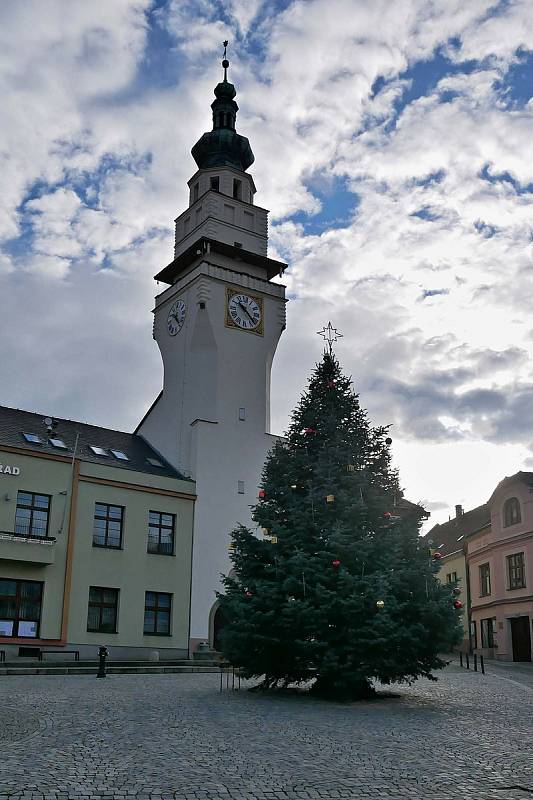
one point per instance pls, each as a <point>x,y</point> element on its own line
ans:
<point>292,614</point>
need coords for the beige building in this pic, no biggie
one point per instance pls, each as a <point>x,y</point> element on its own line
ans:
<point>95,541</point>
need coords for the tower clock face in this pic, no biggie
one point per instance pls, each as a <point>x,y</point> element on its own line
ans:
<point>176,317</point>
<point>245,312</point>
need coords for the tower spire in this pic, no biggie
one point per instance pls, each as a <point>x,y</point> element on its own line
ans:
<point>223,146</point>
<point>225,62</point>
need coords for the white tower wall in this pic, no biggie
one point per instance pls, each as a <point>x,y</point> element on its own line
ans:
<point>214,375</point>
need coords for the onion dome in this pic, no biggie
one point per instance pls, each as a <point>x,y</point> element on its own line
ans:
<point>223,146</point>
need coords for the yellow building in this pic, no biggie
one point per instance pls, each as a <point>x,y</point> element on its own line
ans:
<point>449,539</point>
<point>95,541</point>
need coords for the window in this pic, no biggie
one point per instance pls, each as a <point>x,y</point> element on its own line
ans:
<point>107,526</point>
<point>120,455</point>
<point>237,189</point>
<point>487,632</point>
<point>248,220</point>
<point>215,183</point>
<point>98,451</point>
<point>240,487</point>
<point>33,438</point>
<point>242,414</point>
<point>186,223</point>
<point>229,213</point>
<point>473,634</point>
<point>161,533</point>
<point>20,608</point>
<point>195,192</point>
<point>103,606</point>
<point>157,613</point>
<point>516,571</point>
<point>484,580</point>
<point>451,577</point>
<point>31,518</point>
<point>511,512</point>
<point>59,443</point>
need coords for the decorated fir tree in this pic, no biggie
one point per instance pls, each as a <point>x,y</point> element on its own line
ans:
<point>338,588</point>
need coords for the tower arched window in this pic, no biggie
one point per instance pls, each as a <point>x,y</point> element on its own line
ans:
<point>511,512</point>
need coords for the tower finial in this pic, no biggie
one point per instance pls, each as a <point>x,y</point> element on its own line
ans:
<point>225,62</point>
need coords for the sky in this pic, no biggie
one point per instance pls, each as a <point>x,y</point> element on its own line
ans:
<point>394,148</point>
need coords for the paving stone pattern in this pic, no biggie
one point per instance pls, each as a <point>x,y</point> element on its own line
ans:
<point>175,736</point>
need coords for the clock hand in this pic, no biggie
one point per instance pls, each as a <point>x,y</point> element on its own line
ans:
<point>247,313</point>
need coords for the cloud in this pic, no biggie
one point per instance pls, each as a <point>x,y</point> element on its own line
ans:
<point>408,107</point>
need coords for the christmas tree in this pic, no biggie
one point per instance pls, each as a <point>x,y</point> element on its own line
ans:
<point>338,590</point>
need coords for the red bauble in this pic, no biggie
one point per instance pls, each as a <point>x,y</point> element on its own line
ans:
<point>457,604</point>
<point>437,556</point>
<point>387,514</point>
<point>309,431</point>
<point>248,594</point>
<point>262,493</point>
<point>332,384</point>
<point>335,563</point>
<point>388,440</point>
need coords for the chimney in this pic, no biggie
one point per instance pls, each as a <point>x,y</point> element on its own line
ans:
<point>458,510</point>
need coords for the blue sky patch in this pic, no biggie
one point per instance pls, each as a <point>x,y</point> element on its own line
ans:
<point>504,177</point>
<point>433,293</point>
<point>517,84</point>
<point>338,208</point>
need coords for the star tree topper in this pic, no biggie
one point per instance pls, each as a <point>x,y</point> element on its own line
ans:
<point>330,335</point>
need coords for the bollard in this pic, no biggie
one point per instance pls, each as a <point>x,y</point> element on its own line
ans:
<point>103,653</point>
<point>482,665</point>
<point>460,658</point>
<point>467,661</point>
<point>233,679</point>
<point>475,662</point>
<point>221,672</point>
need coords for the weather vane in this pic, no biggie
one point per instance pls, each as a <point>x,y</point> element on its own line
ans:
<point>330,335</point>
<point>225,62</point>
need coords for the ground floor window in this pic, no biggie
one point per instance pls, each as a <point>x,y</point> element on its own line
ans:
<point>20,608</point>
<point>103,608</point>
<point>157,606</point>
<point>487,632</point>
<point>473,634</point>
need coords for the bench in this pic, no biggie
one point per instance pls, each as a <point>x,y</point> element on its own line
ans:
<point>61,652</point>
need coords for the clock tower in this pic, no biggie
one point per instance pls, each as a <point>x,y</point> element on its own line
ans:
<point>217,324</point>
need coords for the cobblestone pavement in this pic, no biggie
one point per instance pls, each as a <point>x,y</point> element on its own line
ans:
<point>176,736</point>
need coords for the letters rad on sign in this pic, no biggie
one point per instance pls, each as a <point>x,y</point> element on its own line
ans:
<point>5,469</point>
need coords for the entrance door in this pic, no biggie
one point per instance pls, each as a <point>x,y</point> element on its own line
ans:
<point>218,624</point>
<point>521,639</point>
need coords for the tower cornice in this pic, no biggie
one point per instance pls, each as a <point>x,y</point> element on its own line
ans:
<point>203,246</point>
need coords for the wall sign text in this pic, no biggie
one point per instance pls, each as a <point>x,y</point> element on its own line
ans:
<point>5,469</point>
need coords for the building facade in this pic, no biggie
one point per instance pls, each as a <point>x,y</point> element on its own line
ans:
<point>217,325</point>
<point>95,541</point>
<point>488,552</point>
<point>500,565</point>
<point>450,541</point>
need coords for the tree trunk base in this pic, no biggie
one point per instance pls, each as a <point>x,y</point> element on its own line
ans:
<point>347,693</point>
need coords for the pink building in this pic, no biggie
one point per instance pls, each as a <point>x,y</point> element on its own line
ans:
<point>500,569</point>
